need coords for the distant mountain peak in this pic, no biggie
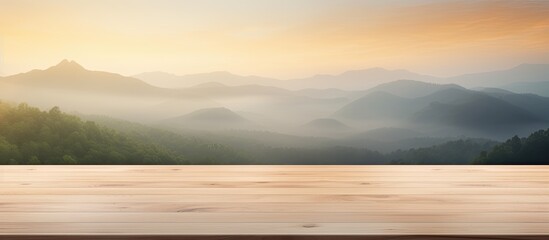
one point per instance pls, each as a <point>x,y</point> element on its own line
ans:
<point>64,61</point>
<point>67,65</point>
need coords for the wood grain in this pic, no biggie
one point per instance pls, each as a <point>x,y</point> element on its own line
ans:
<point>274,202</point>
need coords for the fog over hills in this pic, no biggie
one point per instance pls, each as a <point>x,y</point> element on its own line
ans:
<point>328,93</point>
<point>375,108</point>
<point>492,90</point>
<point>535,104</point>
<point>274,82</point>
<point>527,74</point>
<point>210,119</point>
<point>350,80</point>
<point>357,79</point>
<point>411,88</point>
<point>389,134</point>
<point>539,88</point>
<point>218,115</point>
<point>328,124</point>
<point>327,127</point>
<point>167,80</point>
<point>480,112</point>
<point>452,108</point>
<point>209,85</point>
<point>520,74</point>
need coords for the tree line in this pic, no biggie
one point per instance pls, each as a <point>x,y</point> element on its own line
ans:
<point>532,150</point>
<point>31,136</point>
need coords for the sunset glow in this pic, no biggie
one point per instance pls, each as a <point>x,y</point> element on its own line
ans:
<point>282,39</point>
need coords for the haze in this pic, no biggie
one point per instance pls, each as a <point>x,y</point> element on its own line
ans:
<point>274,82</point>
<point>280,39</point>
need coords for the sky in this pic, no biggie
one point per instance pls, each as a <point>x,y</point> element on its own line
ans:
<point>274,38</point>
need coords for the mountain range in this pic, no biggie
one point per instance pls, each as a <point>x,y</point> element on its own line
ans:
<point>351,102</point>
<point>459,109</point>
<point>539,88</point>
<point>356,80</point>
<point>523,73</point>
<point>167,80</point>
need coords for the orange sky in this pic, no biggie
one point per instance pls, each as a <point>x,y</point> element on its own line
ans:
<point>281,38</point>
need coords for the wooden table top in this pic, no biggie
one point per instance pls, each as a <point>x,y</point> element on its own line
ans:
<point>171,201</point>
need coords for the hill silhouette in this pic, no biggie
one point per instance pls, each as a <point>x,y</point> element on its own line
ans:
<point>327,123</point>
<point>211,118</point>
<point>411,88</point>
<point>519,74</point>
<point>478,113</point>
<point>167,80</point>
<point>535,104</point>
<point>452,108</point>
<point>524,78</point>
<point>540,88</point>
<point>214,115</point>
<point>69,75</point>
<point>376,106</point>
<point>440,112</point>
<point>356,79</point>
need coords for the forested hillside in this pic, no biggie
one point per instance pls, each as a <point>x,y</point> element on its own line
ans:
<point>531,150</point>
<point>31,136</point>
<point>452,152</point>
<point>195,150</point>
<point>243,148</point>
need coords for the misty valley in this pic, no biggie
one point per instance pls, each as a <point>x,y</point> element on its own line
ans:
<point>67,114</point>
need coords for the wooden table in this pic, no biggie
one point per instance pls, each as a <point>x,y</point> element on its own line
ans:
<point>274,202</point>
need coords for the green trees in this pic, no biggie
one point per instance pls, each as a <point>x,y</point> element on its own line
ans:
<point>31,136</point>
<point>531,150</point>
<point>68,160</point>
<point>453,152</point>
<point>8,152</point>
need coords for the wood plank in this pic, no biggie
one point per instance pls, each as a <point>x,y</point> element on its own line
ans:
<point>275,217</point>
<point>274,237</point>
<point>185,174</point>
<point>275,198</point>
<point>333,207</point>
<point>274,184</point>
<point>274,191</point>
<point>214,177</point>
<point>213,201</point>
<point>275,228</point>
